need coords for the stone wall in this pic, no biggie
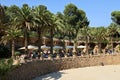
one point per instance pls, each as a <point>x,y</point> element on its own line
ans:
<point>36,68</point>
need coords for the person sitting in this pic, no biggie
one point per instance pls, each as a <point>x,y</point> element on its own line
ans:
<point>69,53</point>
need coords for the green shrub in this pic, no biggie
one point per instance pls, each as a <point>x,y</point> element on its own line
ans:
<point>5,65</point>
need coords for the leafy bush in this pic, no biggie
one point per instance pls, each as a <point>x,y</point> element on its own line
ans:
<point>5,65</point>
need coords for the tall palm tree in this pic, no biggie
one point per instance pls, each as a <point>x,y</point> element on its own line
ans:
<point>56,24</point>
<point>85,34</point>
<point>11,34</point>
<point>61,28</point>
<point>83,27</point>
<point>24,19</point>
<point>41,21</point>
<point>2,20</point>
<point>99,35</point>
<point>112,30</point>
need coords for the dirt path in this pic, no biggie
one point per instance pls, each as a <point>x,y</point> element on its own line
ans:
<point>109,72</point>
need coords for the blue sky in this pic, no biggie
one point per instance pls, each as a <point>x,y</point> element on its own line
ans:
<point>97,11</point>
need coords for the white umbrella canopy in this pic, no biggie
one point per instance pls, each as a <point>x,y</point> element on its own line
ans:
<point>81,46</point>
<point>45,47</point>
<point>29,47</point>
<point>57,47</point>
<point>69,46</point>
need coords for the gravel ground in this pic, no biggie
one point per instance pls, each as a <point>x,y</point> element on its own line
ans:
<point>109,72</point>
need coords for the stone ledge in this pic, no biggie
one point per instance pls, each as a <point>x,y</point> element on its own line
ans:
<point>36,68</point>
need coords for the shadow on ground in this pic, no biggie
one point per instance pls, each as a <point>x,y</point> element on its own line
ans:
<point>51,76</point>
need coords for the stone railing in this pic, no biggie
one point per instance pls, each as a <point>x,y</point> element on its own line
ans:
<point>36,68</point>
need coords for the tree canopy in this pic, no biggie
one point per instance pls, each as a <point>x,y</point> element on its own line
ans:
<point>116,16</point>
<point>74,16</point>
<point>71,24</point>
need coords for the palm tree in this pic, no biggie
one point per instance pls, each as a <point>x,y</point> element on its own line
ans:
<point>61,28</point>
<point>99,35</point>
<point>82,28</point>
<point>112,30</point>
<point>84,33</point>
<point>56,24</point>
<point>11,34</point>
<point>41,21</point>
<point>23,19</point>
<point>2,20</point>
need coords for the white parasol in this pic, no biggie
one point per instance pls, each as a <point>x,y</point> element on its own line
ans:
<point>45,47</point>
<point>29,47</point>
<point>57,47</point>
<point>69,46</point>
<point>81,46</point>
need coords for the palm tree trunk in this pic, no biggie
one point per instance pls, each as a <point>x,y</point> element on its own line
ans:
<point>39,40</point>
<point>26,40</point>
<point>87,52</point>
<point>99,47</point>
<point>64,45</point>
<point>13,49</point>
<point>112,44</point>
<point>51,33</point>
<point>75,46</point>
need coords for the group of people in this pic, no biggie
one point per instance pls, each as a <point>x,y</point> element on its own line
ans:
<point>61,52</point>
<point>46,53</point>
